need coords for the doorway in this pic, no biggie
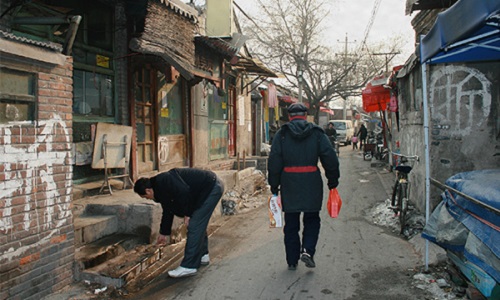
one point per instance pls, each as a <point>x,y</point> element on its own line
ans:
<point>145,118</point>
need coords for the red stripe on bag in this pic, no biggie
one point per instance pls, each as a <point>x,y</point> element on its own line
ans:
<point>303,169</point>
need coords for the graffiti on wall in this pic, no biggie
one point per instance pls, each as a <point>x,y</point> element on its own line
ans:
<point>38,161</point>
<point>163,150</point>
<point>462,96</point>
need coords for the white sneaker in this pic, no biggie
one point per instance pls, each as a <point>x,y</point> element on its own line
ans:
<point>205,259</point>
<point>182,272</point>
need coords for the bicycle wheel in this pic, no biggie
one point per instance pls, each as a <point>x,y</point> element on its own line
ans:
<point>395,198</point>
<point>403,205</point>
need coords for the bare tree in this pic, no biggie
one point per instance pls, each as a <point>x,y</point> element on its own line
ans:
<point>288,36</point>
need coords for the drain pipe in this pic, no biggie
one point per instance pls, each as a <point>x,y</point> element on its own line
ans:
<point>427,150</point>
<point>73,21</point>
<point>71,34</point>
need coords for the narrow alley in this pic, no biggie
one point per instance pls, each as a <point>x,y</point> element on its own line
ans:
<point>356,259</point>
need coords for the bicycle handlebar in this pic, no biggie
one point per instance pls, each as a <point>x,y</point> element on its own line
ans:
<point>415,157</point>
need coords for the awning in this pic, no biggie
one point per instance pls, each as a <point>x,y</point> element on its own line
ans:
<point>180,64</point>
<point>288,99</point>
<point>327,110</point>
<point>375,98</point>
<point>410,63</point>
<point>377,93</point>
<point>467,31</point>
<point>253,66</point>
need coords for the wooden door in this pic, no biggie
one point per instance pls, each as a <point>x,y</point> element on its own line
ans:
<point>145,118</point>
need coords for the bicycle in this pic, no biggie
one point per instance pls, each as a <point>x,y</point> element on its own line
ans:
<point>335,144</point>
<point>401,190</point>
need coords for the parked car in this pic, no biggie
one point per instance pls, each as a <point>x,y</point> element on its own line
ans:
<point>345,130</point>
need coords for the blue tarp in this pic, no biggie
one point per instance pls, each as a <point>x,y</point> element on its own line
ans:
<point>466,227</point>
<point>467,31</point>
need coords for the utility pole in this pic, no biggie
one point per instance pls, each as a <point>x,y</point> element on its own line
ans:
<point>300,71</point>
<point>386,54</point>
<point>346,54</point>
<point>346,49</point>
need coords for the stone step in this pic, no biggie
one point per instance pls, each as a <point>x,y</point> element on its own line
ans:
<point>91,228</point>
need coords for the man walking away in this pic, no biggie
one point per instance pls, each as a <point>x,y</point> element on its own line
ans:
<point>293,171</point>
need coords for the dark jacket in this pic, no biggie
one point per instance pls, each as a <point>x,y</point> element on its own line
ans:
<point>362,132</point>
<point>180,192</point>
<point>293,162</point>
<point>331,132</point>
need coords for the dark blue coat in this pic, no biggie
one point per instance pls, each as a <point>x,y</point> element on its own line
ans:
<point>293,166</point>
<point>180,192</point>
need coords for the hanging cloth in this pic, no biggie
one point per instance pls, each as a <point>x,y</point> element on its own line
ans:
<point>265,105</point>
<point>272,95</point>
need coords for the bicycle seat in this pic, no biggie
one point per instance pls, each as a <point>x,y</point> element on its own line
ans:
<point>404,169</point>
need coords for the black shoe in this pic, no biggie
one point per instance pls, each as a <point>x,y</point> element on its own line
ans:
<point>292,267</point>
<point>308,260</point>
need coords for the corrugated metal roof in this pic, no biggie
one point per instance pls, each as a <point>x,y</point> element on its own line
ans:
<point>218,45</point>
<point>182,9</point>
<point>43,44</point>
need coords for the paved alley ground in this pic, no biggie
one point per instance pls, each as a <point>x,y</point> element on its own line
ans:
<point>356,259</point>
<point>360,255</point>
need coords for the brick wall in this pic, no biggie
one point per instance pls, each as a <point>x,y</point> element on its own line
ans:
<point>172,30</point>
<point>36,226</point>
<point>423,22</point>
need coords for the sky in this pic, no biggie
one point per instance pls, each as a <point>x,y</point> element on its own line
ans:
<point>351,17</point>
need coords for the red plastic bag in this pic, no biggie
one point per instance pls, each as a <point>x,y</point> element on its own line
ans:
<point>334,203</point>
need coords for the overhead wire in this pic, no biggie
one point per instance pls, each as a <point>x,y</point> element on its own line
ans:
<point>368,28</point>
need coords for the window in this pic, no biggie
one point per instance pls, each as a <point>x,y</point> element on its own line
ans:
<point>217,104</point>
<point>340,125</point>
<point>93,94</point>
<point>92,49</point>
<point>17,96</point>
<point>170,121</point>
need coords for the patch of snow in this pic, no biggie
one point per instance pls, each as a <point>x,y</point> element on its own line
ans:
<point>98,291</point>
<point>384,216</point>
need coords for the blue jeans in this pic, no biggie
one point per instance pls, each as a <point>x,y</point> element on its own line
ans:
<point>310,234</point>
<point>197,240</point>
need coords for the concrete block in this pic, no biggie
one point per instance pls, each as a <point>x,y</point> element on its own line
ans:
<point>92,228</point>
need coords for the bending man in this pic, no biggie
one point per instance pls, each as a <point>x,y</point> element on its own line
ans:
<point>189,193</point>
